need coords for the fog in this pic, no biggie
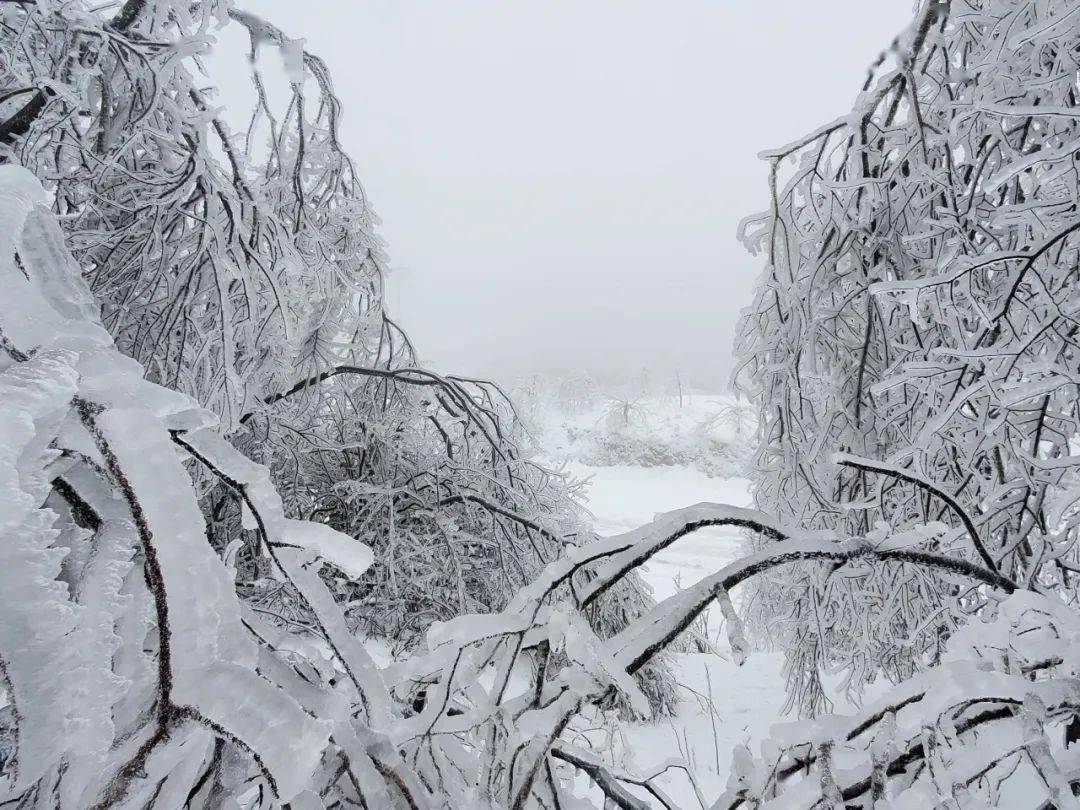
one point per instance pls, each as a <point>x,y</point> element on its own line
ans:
<point>560,182</point>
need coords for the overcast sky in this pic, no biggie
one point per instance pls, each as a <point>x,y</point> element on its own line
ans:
<point>560,181</point>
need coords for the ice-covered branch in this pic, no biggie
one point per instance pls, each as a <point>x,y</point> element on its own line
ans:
<point>643,639</point>
<point>641,544</point>
<point>601,776</point>
<point>945,194</point>
<point>903,474</point>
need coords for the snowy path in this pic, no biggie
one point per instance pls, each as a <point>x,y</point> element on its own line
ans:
<point>723,704</point>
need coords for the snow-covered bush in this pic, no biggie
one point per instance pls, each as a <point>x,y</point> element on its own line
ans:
<point>637,435</point>
<point>125,652</point>
<point>990,726</point>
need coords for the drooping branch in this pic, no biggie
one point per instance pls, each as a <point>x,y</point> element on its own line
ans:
<point>916,752</point>
<point>451,386</point>
<point>652,633</point>
<point>918,303</point>
<point>498,510</point>
<point>271,548</point>
<point>409,376</point>
<point>349,653</point>
<point>155,579</point>
<point>601,776</point>
<point>642,640</point>
<point>646,541</point>
<point>869,465</point>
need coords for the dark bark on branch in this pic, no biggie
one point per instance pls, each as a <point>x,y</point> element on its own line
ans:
<point>597,589</point>
<point>408,376</point>
<point>506,513</point>
<point>155,579</point>
<point>969,525</point>
<point>127,14</point>
<point>840,555</point>
<point>19,124</point>
<point>602,778</point>
<point>81,511</point>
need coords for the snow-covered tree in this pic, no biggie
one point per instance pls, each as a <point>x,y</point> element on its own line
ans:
<point>918,314</point>
<point>137,669</point>
<point>243,269</point>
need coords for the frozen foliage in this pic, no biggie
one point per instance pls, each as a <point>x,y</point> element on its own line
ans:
<point>642,434</point>
<point>137,666</point>
<point>243,269</point>
<point>137,669</point>
<point>985,727</point>
<point>913,350</point>
<point>917,313</point>
<point>136,673</point>
<point>191,449</point>
<point>89,438</point>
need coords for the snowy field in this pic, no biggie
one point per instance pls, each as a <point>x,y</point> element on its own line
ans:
<point>703,432</point>
<point>722,705</point>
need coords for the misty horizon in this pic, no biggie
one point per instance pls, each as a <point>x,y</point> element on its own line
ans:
<point>571,175</point>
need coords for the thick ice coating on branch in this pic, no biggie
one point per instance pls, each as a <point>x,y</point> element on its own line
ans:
<point>58,364</point>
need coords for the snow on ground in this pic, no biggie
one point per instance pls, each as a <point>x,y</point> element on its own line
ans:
<point>623,497</point>
<point>723,704</point>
